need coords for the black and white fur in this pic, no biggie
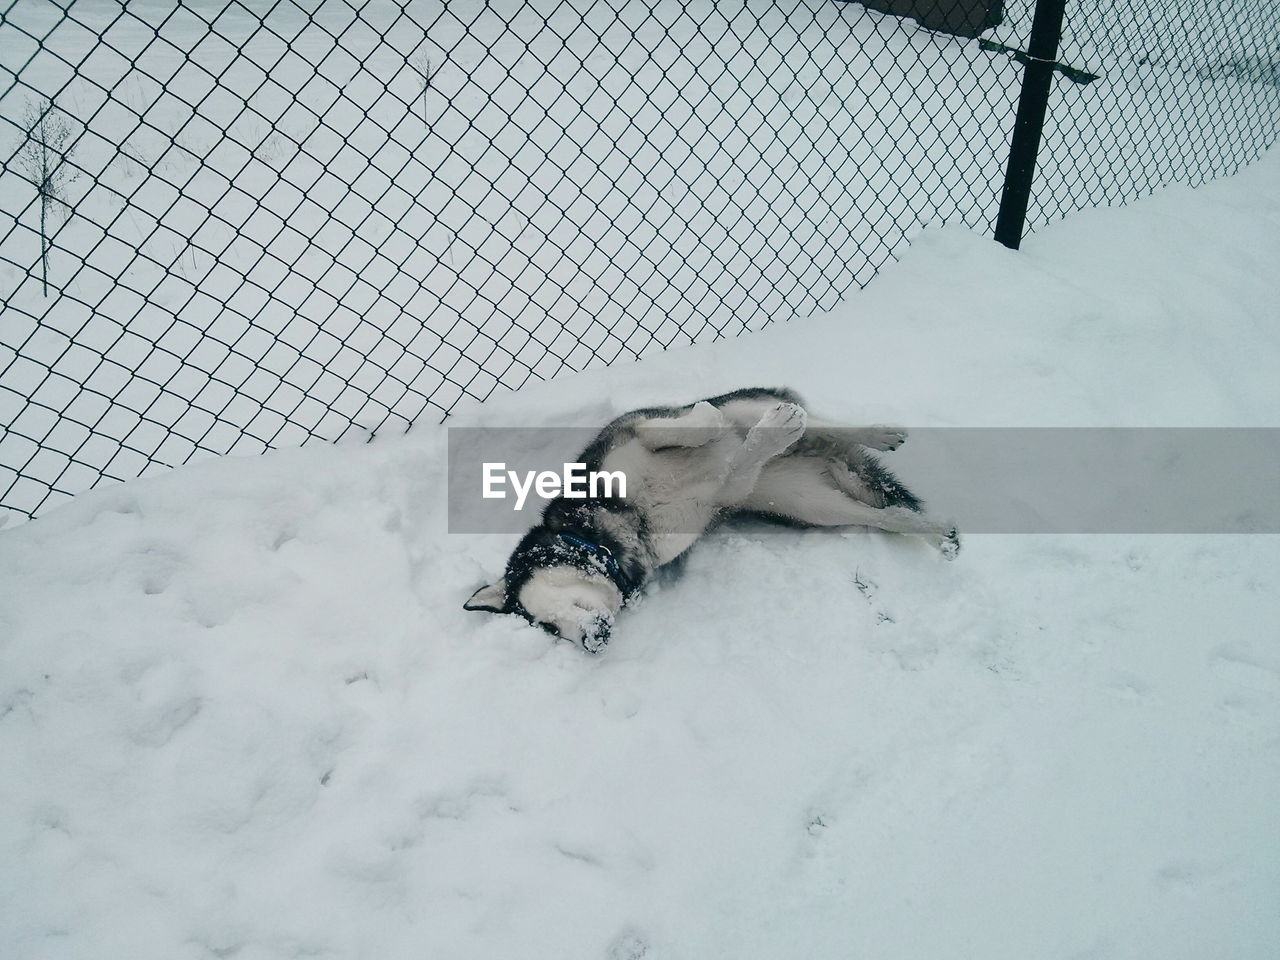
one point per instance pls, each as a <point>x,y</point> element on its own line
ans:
<point>753,452</point>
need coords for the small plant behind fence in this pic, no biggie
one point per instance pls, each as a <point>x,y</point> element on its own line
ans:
<point>224,230</point>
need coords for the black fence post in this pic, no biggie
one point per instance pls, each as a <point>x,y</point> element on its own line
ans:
<point>1042,54</point>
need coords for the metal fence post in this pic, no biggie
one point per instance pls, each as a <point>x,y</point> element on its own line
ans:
<point>1042,54</point>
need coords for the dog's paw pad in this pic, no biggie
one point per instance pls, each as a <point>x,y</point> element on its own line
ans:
<point>950,544</point>
<point>782,414</point>
<point>882,437</point>
<point>781,426</point>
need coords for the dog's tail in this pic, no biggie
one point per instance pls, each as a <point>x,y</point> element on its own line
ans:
<point>881,479</point>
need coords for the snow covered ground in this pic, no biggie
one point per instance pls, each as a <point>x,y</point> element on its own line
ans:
<point>242,713</point>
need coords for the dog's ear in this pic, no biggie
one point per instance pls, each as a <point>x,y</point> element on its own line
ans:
<point>492,598</point>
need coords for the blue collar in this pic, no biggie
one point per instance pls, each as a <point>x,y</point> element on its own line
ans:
<point>604,556</point>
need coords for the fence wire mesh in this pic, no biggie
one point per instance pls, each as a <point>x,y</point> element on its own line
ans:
<point>230,226</point>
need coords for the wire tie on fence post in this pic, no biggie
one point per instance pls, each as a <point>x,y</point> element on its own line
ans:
<point>1074,74</point>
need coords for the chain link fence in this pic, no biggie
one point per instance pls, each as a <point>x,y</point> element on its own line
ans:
<point>230,226</point>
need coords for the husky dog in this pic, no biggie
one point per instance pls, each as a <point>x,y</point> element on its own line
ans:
<point>753,452</point>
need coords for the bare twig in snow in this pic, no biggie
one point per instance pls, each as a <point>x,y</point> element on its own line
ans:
<point>45,157</point>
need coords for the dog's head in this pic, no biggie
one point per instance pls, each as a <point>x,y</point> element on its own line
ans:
<point>560,583</point>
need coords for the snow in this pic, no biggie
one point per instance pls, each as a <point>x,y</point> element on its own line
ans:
<point>243,713</point>
<point>281,235</point>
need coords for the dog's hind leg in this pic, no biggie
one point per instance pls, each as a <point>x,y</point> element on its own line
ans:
<point>878,436</point>
<point>802,490</point>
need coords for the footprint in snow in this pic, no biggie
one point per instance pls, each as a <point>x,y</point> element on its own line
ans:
<point>630,944</point>
<point>1242,670</point>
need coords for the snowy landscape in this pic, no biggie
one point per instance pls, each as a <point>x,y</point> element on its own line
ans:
<point>245,716</point>
<point>242,711</point>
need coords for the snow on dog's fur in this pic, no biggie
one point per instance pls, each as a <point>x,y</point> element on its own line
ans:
<point>751,452</point>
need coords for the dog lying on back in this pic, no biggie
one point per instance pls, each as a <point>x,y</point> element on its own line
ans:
<point>751,452</point>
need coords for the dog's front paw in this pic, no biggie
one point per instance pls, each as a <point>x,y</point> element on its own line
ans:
<point>781,426</point>
<point>882,437</point>
<point>949,543</point>
<point>596,629</point>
